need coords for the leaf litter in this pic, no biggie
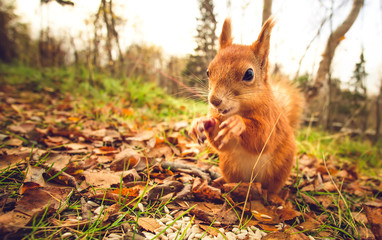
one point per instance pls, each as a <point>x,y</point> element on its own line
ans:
<point>156,182</point>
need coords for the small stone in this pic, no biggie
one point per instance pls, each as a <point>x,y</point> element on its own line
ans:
<point>98,210</point>
<point>235,230</point>
<point>230,235</point>
<point>199,235</point>
<point>220,237</point>
<point>66,235</point>
<point>258,234</point>
<point>166,210</point>
<point>92,204</point>
<point>141,207</point>
<point>242,236</point>
<point>171,236</point>
<point>196,229</point>
<point>265,216</point>
<point>173,212</point>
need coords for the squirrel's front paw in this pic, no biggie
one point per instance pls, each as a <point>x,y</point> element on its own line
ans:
<point>200,126</point>
<point>233,127</point>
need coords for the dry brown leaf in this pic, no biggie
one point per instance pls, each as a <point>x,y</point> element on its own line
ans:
<point>374,203</point>
<point>164,189</point>
<point>113,209</point>
<point>310,224</point>
<point>23,127</point>
<point>34,201</point>
<point>12,159</point>
<point>102,178</point>
<point>131,192</point>
<point>365,233</point>
<point>288,214</point>
<point>203,191</point>
<point>106,150</point>
<point>142,136</point>
<point>35,174</point>
<point>126,159</point>
<point>15,142</point>
<point>374,217</point>
<point>149,224</point>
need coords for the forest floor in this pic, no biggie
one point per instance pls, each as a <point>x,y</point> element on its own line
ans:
<point>116,162</point>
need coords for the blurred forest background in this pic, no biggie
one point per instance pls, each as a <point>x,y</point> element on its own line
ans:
<point>341,105</point>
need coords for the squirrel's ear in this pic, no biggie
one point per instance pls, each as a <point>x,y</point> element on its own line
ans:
<point>226,35</point>
<point>261,46</point>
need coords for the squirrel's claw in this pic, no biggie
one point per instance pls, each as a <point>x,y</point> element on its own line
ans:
<point>200,126</point>
<point>233,127</point>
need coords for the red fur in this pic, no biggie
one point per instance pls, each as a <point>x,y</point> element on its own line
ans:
<point>239,127</point>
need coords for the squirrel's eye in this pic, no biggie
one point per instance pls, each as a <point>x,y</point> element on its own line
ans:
<point>208,73</point>
<point>248,76</point>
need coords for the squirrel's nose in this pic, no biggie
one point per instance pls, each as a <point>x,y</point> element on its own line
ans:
<point>215,101</point>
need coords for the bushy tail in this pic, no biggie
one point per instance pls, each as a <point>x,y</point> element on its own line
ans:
<point>290,99</point>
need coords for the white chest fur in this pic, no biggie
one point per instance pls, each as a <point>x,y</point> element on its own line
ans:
<point>246,162</point>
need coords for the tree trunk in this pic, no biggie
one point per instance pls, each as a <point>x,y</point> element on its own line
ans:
<point>267,10</point>
<point>109,36</point>
<point>331,45</point>
<point>116,37</point>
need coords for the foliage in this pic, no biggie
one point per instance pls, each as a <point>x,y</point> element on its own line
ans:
<point>206,43</point>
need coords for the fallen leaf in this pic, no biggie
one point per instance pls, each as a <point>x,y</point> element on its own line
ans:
<point>203,191</point>
<point>101,179</point>
<point>15,142</point>
<point>141,136</point>
<point>288,214</point>
<point>163,189</point>
<point>130,192</point>
<point>149,224</point>
<point>374,217</point>
<point>125,160</point>
<point>33,202</point>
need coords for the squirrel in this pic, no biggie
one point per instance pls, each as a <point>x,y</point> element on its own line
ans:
<point>251,122</point>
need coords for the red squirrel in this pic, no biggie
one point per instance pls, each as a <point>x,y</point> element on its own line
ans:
<point>251,121</point>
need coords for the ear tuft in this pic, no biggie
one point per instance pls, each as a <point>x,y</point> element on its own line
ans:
<point>225,38</point>
<point>261,46</point>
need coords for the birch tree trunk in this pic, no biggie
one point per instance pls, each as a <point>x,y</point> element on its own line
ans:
<point>331,45</point>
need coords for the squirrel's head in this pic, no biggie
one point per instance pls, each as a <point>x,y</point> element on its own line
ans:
<point>238,75</point>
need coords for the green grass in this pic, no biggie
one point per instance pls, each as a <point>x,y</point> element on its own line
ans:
<point>104,97</point>
<point>342,148</point>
